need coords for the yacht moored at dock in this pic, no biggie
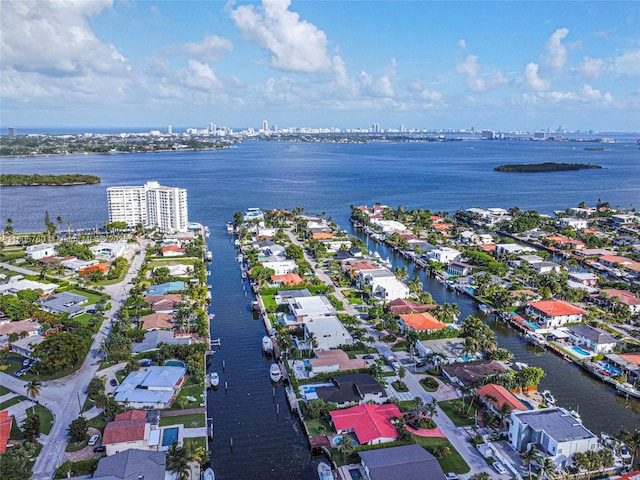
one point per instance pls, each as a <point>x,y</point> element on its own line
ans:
<point>275,373</point>
<point>546,394</point>
<point>214,379</point>
<point>229,227</point>
<point>208,256</point>
<point>267,344</point>
<point>627,390</point>
<point>324,471</point>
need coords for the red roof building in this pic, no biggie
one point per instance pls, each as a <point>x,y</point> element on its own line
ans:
<point>495,396</point>
<point>126,427</point>
<point>5,429</point>
<point>172,251</point>
<point>421,322</point>
<point>554,313</point>
<point>402,305</point>
<point>371,423</point>
<point>288,279</point>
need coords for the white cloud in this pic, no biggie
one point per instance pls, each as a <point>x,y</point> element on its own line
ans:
<point>557,57</point>
<point>532,80</point>
<point>294,45</point>
<point>628,63</point>
<point>55,39</point>
<point>475,81</point>
<point>211,48</point>
<point>594,67</point>
<point>594,95</point>
<point>462,43</point>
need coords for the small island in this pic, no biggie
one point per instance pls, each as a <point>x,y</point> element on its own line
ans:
<point>16,179</point>
<point>544,167</point>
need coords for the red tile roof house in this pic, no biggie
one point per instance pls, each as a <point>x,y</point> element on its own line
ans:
<point>614,260</point>
<point>287,280</point>
<point>495,396</point>
<point>164,303</point>
<point>554,313</point>
<point>624,297</point>
<point>128,430</point>
<point>370,423</point>
<point>402,305</point>
<point>172,251</point>
<point>421,322</point>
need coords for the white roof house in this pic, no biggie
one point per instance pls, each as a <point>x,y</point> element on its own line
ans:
<point>13,287</point>
<point>151,388</point>
<point>328,332</point>
<point>38,252</point>
<point>389,225</point>
<point>109,250</point>
<point>307,308</point>
<point>444,255</point>
<point>384,284</point>
<point>573,223</point>
<point>510,248</point>
<point>280,267</point>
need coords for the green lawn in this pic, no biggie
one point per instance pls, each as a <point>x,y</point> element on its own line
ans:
<point>12,401</point>
<point>192,390</point>
<point>198,441</point>
<point>46,418</point>
<point>450,407</point>
<point>92,298</point>
<point>269,302</point>
<point>353,296</point>
<point>4,390</point>
<point>189,421</point>
<point>318,427</point>
<point>452,461</point>
<point>98,423</point>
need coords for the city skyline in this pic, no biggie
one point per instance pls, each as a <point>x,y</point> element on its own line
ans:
<point>421,65</point>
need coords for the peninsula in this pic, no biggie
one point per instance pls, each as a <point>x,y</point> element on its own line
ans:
<point>544,167</point>
<point>15,179</point>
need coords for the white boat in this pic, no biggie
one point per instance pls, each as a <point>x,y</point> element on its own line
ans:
<point>208,256</point>
<point>535,339</point>
<point>546,394</point>
<point>267,344</point>
<point>324,471</point>
<point>275,373</point>
<point>214,379</point>
<point>627,389</point>
<point>485,308</point>
<point>229,227</point>
<point>206,232</point>
<point>208,474</point>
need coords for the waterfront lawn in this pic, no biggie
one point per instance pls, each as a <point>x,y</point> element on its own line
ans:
<point>269,302</point>
<point>193,390</point>
<point>452,461</point>
<point>196,442</point>
<point>317,427</point>
<point>190,420</point>
<point>451,408</point>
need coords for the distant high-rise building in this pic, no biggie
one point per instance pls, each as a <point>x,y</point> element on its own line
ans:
<point>265,126</point>
<point>151,205</point>
<point>12,131</point>
<point>169,130</point>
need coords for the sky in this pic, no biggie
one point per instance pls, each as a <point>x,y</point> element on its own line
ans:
<point>501,65</point>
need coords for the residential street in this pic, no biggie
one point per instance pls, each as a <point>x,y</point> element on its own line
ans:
<point>65,396</point>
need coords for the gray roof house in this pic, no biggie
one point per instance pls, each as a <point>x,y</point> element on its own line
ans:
<point>554,432</point>
<point>64,302</point>
<point>408,462</point>
<point>594,339</point>
<point>132,464</point>
<point>352,388</point>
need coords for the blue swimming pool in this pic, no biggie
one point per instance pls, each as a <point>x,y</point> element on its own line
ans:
<point>610,368</point>
<point>581,351</point>
<point>535,326</point>
<point>174,363</point>
<point>338,440</point>
<point>169,435</point>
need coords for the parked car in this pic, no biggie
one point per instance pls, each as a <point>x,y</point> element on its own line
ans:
<point>113,382</point>
<point>100,448</point>
<point>26,362</point>
<point>20,372</point>
<point>93,440</point>
<point>499,468</point>
<point>451,476</point>
<point>413,424</point>
<point>368,357</point>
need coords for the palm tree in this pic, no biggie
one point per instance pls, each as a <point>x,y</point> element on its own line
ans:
<point>346,448</point>
<point>9,228</point>
<point>33,389</point>
<point>177,461</point>
<point>547,467</point>
<point>530,456</point>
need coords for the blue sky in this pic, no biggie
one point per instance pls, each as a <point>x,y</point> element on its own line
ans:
<point>508,65</point>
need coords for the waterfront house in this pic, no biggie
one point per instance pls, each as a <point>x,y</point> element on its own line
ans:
<point>179,270</point>
<point>545,267</point>
<point>554,313</point>
<point>355,388</point>
<point>154,337</point>
<point>287,280</point>
<point>280,266</point>
<point>64,302</point>
<point>151,388</point>
<point>402,305</point>
<point>132,464</point>
<point>421,322</point>
<point>444,255</point>
<point>472,373</point>
<point>156,321</point>
<point>407,462</point>
<point>384,284</point>
<point>283,296</point>
<point>328,331</point>
<point>38,252</point>
<point>512,248</point>
<point>572,223</point>
<point>335,360</point>
<point>495,397</point>
<point>458,269</point>
<point>370,423</point>
<point>173,251</point>
<point>614,261</point>
<point>627,363</point>
<point>584,278</point>
<point>305,308</point>
<point>128,430</point>
<point>164,303</point>
<point>109,250</point>
<point>594,339</point>
<point>164,288</point>
<point>553,431</point>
